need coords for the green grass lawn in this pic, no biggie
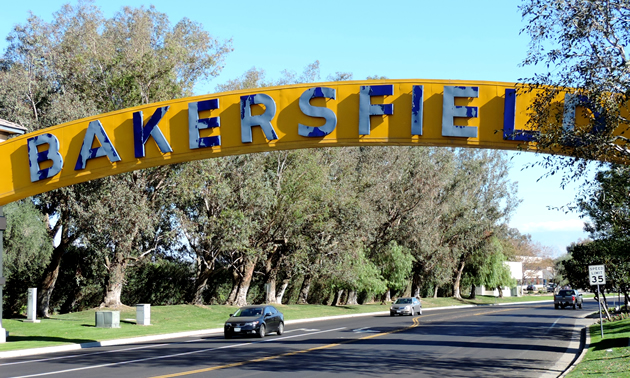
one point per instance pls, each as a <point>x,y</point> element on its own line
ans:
<point>607,357</point>
<point>77,328</point>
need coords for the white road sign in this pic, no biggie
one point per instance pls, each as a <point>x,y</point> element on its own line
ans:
<point>597,274</point>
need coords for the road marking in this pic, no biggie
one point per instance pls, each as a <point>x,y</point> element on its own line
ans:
<point>493,312</point>
<point>172,355</point>
<point>82,355</point>
<point>364,330</point>
<point>268,358</point>
<point>302,329</point>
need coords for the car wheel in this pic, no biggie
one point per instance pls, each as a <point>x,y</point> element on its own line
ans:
<point>574,306</point>
<point>261,331</point>
<point>580,305</point>
<point>556,306</point>
<point>280,328</point>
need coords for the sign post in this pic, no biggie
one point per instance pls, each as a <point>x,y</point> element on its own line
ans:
<point>597,276</point>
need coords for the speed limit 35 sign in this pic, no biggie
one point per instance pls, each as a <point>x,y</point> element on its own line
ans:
<point>597,274</point>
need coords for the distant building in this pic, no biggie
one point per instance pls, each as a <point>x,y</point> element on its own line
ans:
<point>9,128</point>
<point>516,271</point>
<point>537,271</point>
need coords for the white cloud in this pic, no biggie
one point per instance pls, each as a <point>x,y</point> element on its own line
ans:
<point>559,225</point>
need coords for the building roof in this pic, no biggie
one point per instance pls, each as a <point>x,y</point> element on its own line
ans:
<point>11,128</point>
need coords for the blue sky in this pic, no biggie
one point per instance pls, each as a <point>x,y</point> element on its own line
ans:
<point>472,40</point>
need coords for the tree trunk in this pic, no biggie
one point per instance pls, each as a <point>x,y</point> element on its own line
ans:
<point>271,281</point>
<point>306,287</point>
<point>283,288</point>
<point>473,289</point>
<point>49,278</point>
<point>435,291</point>
<point>115,281</point>
<point>458,279</point>
<point>337,298</point>
<point>386,297</point>
<point>236,282</point>
<point>415,284</point>
<point>352,298</point>
<point>248,273</point>
<point>500,291</point>
<point>203,275</point>
<point>271,272</point>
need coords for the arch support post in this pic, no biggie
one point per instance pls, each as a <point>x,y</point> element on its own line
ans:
<point>3,226</point>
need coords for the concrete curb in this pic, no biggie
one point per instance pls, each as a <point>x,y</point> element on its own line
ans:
<point>204,332</point>
<point>584,344</point>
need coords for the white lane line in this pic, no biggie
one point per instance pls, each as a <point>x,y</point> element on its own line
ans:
<point>82,355</point>
<point>302,329</point>
<point>124,350</point>
<point>172,355</point>
<point>554,323</point>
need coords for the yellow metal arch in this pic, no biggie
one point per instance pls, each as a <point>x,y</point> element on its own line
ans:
<point>488,120</point>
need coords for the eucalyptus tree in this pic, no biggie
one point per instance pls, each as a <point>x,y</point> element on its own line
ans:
<point>483,208</point>
<point>398,188</point>
<point>27,250</point>
<point>606,204</point>
<point>82,64</point>
<point>206,197</point>
<point>580,45</point>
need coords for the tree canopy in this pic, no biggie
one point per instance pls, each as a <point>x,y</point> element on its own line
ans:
<point>579,46</point>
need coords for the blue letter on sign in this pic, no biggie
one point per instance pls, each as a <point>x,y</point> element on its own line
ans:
<point>95,130</point>
<point>264,120</point>
<point>449,110</point>
<point>141,133</point>
<point>509,118</point>
<point>35,157</point>
<point>195,124</point>
<point>417,99</point>
<point>316,111</point>
<point>366,109</point>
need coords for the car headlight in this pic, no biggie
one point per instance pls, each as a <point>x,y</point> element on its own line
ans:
<point>391,308</point>
<point>252,323</point>
<point>228,324</point>
<point>407,307</point>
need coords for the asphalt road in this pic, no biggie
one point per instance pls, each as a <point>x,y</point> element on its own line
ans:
<point>532,340</point>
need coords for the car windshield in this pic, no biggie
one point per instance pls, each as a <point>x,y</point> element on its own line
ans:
<point>403,301</point>
<point>566,292</point>
<point>256,311</point>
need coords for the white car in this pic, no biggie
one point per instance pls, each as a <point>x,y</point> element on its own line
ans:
<point>406,306</point>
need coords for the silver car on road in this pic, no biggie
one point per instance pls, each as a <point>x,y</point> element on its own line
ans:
<point>406,306</point>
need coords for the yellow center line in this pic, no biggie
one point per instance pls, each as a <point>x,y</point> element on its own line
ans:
<point>262,359</point>
<point>416,323</point>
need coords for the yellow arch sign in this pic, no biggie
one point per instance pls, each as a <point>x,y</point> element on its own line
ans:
<point>383,112</point>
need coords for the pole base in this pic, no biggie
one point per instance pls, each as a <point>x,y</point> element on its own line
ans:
<point>4,335</point>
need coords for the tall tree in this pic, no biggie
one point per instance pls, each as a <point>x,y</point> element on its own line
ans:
<point>605,203</point>
<point>83,64</point>
<point>583,46</point>
<point>27,249</point>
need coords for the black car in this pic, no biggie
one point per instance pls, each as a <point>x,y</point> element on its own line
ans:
<point>254,320</point>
